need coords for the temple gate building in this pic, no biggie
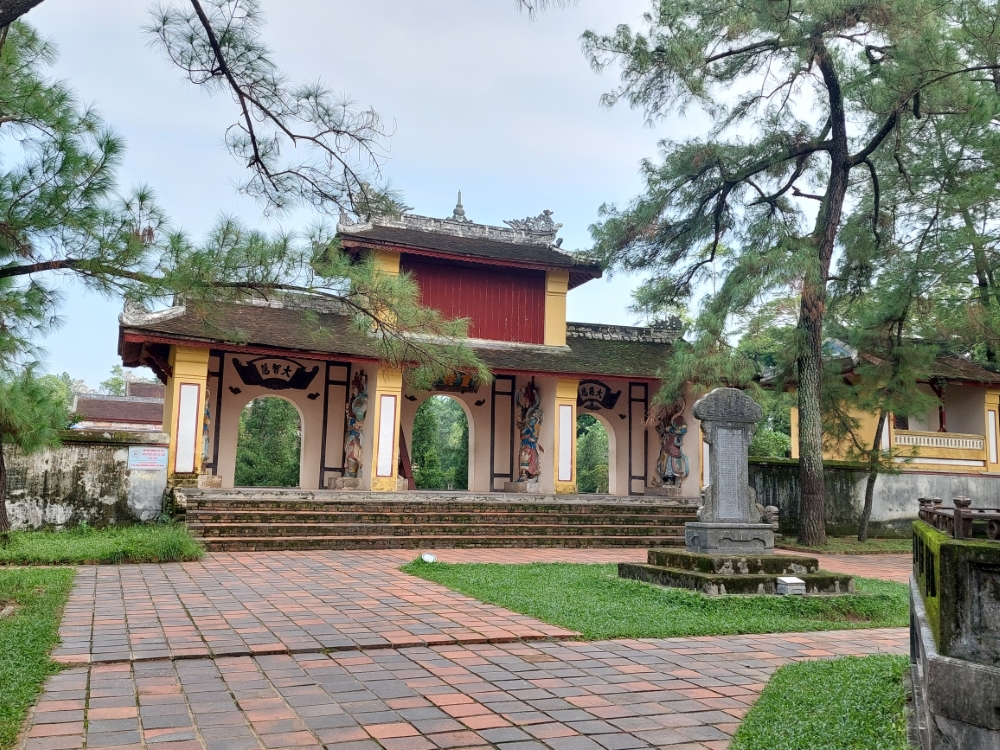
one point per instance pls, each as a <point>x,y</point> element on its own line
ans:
<point>357,412</point>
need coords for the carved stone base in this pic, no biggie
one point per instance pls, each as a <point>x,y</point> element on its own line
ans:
<point>729,538</point>
<point>522,487</point>
<point>402,484</point>
<point>664,491</point>
<point>344,483</point>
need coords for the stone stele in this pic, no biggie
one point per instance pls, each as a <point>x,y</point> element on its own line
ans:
<point>729,520</point>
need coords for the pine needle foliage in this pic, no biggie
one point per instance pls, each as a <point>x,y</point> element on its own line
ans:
<point>61,212</point>
<point>806,98</point>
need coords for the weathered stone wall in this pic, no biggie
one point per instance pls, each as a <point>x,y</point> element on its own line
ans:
<point>85,479</point>
<point>776,482</point>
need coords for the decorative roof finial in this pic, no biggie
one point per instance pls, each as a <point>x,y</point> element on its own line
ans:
<point>459,213</point>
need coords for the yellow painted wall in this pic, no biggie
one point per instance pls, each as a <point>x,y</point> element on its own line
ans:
<point>868,424</point>
<point>388,382</point>
<point>188,365</point>
<point>992,436</point>
<point>556,288</point>
<point>795,431</point>
<point>566,394</point>
<point>387,261</point>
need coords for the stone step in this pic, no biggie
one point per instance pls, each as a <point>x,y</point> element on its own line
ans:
<point>217,530</point>
<point>250,544</point>
<point>430,518</point>
<point>332,506</point>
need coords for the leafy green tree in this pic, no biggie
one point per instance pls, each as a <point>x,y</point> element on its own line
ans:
<point>805,98</point>
<point>591,455</point>
<point>270,440</point>
<point>61,386</point>
<point>769,443</point>
<point>440,451</point>
<point>32,411</point>
<point>430,474</point>
<point>117,382</point>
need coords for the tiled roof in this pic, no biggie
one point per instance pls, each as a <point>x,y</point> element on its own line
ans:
<point>330,334</point>
<point>119,409</point>
<point>474,249</point>
<point>146,390</point>
<point>950,367</point>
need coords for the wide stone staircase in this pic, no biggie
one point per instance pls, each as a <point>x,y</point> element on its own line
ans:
<point>264,519</point>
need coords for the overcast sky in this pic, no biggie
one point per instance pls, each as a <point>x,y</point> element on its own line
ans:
<point>483,100</point>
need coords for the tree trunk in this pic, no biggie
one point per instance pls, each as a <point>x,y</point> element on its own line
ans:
<point>11,10</point>
<point>983,277</point>
<point>873,466</point>
<point>4,518</point>
<point>812,505</point>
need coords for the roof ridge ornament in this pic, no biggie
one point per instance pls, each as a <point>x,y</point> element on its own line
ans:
<point>541,224</point>
<point>458,214</point>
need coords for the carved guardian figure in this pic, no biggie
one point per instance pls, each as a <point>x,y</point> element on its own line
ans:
<point>357,409</point>
<point>529,425</point>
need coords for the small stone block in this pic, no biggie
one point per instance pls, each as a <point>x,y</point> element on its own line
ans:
<point>790,585</point>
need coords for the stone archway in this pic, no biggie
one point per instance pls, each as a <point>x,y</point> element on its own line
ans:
<point>442,446</point>
<point>269,444</point>
<point>603,435</point>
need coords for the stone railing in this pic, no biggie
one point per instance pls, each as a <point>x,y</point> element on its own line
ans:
<point>948,440</point>
<point>933,512</point>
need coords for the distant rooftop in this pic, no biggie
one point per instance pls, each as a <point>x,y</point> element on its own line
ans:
<point>100,410</point>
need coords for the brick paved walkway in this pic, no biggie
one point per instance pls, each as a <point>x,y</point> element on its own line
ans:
<point>260,603</point>
<point>682,693</point>
<point>229,654</point>
<point>263,603</point>
<point>889,567</point>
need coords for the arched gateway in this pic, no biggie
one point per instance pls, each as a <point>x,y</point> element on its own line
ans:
<point>357,413</point>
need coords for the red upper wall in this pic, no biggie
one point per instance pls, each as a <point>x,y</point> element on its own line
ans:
<point>502,305</point>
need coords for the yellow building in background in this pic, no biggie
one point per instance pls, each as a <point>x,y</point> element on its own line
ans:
<point>958,436</point>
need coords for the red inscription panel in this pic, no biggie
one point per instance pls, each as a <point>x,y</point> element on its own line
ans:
<point>502,305</point>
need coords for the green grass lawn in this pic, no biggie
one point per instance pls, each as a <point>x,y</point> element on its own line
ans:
<point>26,639</point>
<point>849,545</point>
<point>161,542</point>
<point>843,704</point>
<point>592,600</point>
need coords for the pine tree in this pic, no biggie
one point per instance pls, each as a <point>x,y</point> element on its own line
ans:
<point>62,213</point>
<point>822,91</point>
<point>32,411</point>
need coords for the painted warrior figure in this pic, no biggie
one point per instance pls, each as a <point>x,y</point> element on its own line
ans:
<point>206,423</point>
<point>529,424</point>
<point>672,465</point>
<point>357,408</point>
